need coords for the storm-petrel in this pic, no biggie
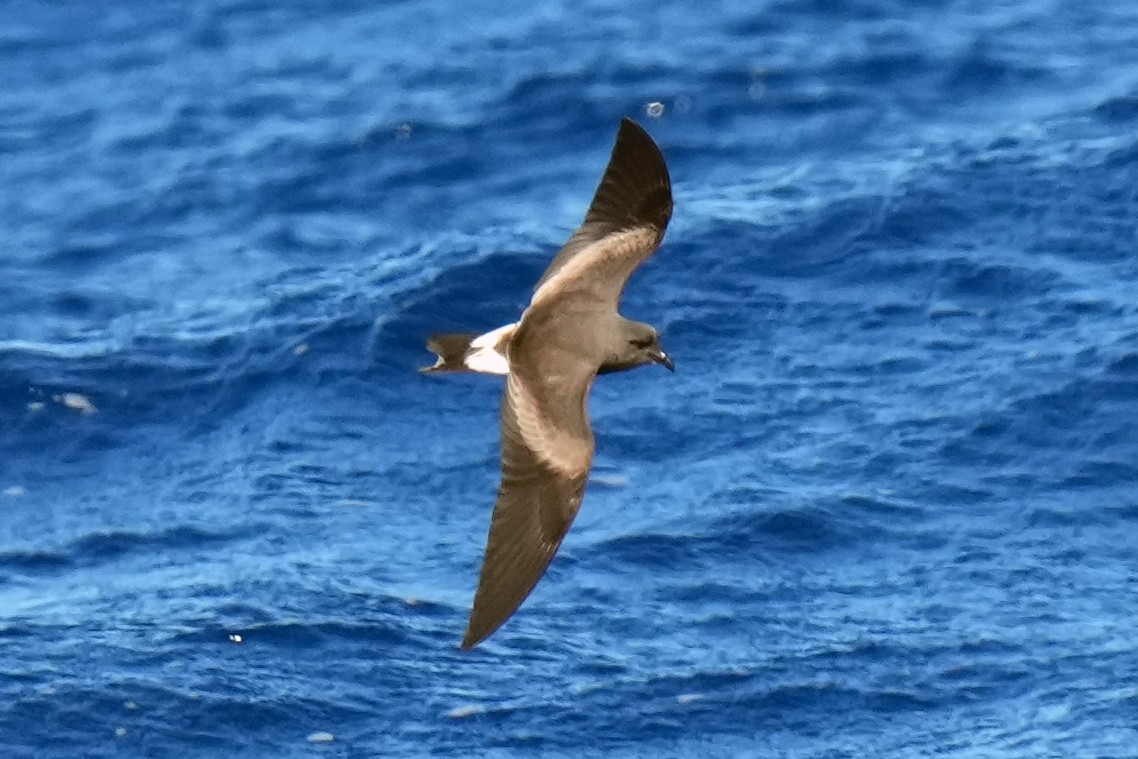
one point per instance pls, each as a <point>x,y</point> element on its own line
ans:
<point>570,333</point>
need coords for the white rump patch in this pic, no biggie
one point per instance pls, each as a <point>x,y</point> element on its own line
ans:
<point>483,355</point>
<point>487,361</point>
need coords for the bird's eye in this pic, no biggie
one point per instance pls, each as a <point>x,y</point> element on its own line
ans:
<point>641,342</point>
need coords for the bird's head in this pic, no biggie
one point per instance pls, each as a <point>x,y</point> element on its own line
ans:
<point>639,344</point>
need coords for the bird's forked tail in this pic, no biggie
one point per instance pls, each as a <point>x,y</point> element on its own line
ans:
<point>465,352</point>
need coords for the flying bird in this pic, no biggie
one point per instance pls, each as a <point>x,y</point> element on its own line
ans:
<point>570,333</point>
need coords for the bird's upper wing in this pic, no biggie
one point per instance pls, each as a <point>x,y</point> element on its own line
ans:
<point>623,227</point>
<point>547,449</point>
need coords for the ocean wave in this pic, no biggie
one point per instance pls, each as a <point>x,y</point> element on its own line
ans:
<point>875,511</point>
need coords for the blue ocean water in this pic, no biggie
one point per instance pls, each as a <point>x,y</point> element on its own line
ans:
<point>886,506</point>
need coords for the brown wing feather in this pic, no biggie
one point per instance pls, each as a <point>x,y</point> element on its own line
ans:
<point>547,444</point>
<point>635,191</point>
<point>537,502</point>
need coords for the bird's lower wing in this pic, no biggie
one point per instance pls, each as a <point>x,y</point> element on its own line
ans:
<point>539,497</point>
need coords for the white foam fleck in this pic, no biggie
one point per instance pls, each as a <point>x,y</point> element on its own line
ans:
<point>34,406</point>
<point>687,698</point>
<point>321,737</point>
<point>236,638</point>
<point>300,350</point>
<point>15,491</point>
<point>120,732</point>
<point>76,401</point>
<point>609,480</point>
<point>130,705</point>
<point>462,712</point>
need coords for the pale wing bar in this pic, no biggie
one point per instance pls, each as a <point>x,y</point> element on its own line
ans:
<point>536,505</point>
<point>635,191</point>
<point>601,270</point>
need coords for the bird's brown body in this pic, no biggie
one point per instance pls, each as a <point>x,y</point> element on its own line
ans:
<point>570,332</point>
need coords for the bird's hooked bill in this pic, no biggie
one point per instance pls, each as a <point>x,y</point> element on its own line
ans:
<point>660,357</point>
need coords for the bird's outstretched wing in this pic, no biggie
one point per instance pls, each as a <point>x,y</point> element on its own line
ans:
<point>547,443</point>
<point>547,449</point>
<point>623,226</point>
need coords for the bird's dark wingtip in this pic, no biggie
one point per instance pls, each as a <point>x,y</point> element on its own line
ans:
<point>470,640</point>
<point>626,122</point>
<point>635,187</point>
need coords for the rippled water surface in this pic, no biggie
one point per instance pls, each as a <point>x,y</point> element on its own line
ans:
<point>886,506</point>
